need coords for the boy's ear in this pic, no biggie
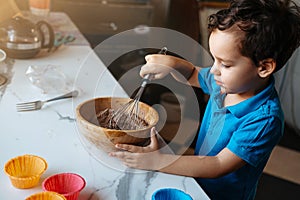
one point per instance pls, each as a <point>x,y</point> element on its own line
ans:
<point>266,67</point>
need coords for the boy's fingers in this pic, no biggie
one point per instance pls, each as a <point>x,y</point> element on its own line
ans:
<point>127,147</point>
<point>122,146</point>
<point>153,137</point>
<point>120,155</point>
<point>147,58</point>
<point>153,131</point>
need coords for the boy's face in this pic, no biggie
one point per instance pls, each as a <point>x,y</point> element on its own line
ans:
<point>233,72</point>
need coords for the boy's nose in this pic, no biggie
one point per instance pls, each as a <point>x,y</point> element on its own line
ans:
<point>214,69</point>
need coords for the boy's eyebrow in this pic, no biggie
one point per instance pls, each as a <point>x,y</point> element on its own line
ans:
<point>216,57</point>
<point>222,59</point>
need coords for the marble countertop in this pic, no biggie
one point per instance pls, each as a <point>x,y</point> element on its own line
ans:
<point>52,133</point>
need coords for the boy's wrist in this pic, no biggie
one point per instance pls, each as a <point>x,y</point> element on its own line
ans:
<point>186,69</point>
<point>191,74</point>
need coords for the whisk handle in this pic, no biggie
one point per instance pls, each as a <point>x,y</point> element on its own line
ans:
<point>149,77</point>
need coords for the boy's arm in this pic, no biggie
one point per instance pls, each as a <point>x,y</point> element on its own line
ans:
<point>193,79</point>
<point>161,65</point>
<point>150,158</point>
<point>188,73</point>
<point>203,166</point>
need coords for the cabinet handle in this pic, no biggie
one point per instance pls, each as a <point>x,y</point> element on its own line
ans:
<point>110,25</point>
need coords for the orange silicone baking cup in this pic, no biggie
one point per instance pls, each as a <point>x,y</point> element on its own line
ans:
<point>46,196</point>
<point>25,171</point>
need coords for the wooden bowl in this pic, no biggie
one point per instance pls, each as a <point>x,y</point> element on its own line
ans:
<point>104,138</point>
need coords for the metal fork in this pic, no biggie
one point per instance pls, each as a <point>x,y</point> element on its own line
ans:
<point>37,105</point>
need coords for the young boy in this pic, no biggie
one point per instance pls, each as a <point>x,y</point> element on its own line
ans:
<point>243,120</point>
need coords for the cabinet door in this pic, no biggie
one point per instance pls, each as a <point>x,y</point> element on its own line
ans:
<point>94,17</point>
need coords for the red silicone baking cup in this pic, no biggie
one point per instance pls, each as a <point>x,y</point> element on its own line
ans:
<point>67,184</point>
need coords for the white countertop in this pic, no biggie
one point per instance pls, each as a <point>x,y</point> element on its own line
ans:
<point>52,133</point>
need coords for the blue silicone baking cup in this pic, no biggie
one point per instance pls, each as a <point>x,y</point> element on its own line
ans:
<point>170,194</point>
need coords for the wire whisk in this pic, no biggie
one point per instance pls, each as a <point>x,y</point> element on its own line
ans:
<point>128,116</point>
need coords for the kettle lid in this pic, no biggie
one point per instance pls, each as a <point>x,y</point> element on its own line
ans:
<point>19,26</point>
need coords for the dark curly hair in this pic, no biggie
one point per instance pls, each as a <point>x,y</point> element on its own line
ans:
<point>271,27</point>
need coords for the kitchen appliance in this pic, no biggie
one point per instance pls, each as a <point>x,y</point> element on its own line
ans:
<point>21,38</point>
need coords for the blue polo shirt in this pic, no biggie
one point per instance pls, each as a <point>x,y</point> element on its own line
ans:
<point>249,129</point>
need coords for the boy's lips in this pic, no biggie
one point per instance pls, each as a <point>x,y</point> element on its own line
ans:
<point>218,82</point>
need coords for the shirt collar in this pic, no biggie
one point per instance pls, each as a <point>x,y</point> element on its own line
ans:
<point>254,102</point>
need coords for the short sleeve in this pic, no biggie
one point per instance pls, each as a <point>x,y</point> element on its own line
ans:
<point>256,138</point>
<point>205,80</point>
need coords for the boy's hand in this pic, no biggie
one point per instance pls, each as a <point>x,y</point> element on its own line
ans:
<point>158,65</point>
<point>153,146</point>
<point>161,65</point>
<point>140,157</point>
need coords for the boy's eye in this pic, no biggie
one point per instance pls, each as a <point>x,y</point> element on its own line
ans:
<point>226,66</point>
